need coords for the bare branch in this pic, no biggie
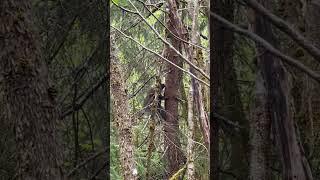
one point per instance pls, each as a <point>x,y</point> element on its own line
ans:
<point>84,97</point>
<point>169,31</point>
<point>167,60</point>
<point>289,60</point>
<point>168,44</point>
<point>286,28</point>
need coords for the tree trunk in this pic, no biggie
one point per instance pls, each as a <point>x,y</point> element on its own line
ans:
<point>260,133</point>
<point>191,135</point>
<point>313,99</point>
<point>274,78</point>
<point>122,119</point>
<point>29,98</point>
<point>260,123</point>
<point>174,154</point>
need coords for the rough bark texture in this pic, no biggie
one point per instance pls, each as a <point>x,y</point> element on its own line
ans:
<point>260,133</point>
<point>260,124</point>
<point>122,119</point>
<point>194,9</point>
<point>274,77</point>
<point>191,135</point>
<point>174,154</point>
<point>312,105</point>
<point>195,55</point>
<point>261,120</point>
<point>27,94</point>
<point>293,11</point>
<point>313,33</point>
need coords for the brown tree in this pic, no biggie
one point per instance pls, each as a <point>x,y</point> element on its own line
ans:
<point>260,121</point>
<point>174,154</point>
<point>312,104</point>
<point>275,112</point>
<point>28,96</point>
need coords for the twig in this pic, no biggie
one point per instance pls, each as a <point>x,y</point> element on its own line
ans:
<point>86,161</point>
<point>135,93</point>
<point>62,41</point>
<point>85,97</point>
<point>98,171</point>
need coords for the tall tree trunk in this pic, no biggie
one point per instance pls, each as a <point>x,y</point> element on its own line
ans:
<point>174,154</point>
<point>294,12</point>
<point>195,56</point>
<point>260,132</point>
<point>195,93</point>
<point>28,96</point>
<point>260,120</point>
<point>313,101</point>
<point>274,78</point>
<point>191,135</point>
<point>122,119</point>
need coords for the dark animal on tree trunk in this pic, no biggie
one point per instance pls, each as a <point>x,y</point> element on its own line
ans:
<point>151,98</point>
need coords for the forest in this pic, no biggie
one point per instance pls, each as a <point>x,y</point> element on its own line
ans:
<point>154,89</point>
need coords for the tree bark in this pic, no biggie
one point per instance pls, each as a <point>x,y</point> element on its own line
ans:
<point>312,104</point>
<point>29,97</point>
<point>122,119</point>
<point>191,135</point>
<point>174,154</point>
<point>274,78</point>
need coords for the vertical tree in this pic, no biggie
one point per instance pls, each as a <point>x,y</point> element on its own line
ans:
<point>260,121</point>
<point>29,98</point>
<point>313,100</point>
<point>272,109</point>
<point>122,119</point>
<point>174,154</point>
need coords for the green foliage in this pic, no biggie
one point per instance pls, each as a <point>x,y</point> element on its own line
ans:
<point>140,66</point>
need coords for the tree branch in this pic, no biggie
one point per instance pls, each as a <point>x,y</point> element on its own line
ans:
<point>286,28</point>
<point>167,60</point>
<point>86,161</point>
<point>169,44</point>
<point>85,97</point>
<point>169,31</point>
<point>289,60</point>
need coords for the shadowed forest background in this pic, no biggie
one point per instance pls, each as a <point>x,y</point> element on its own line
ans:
<point>151,89</point>
<point>53,89</point>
